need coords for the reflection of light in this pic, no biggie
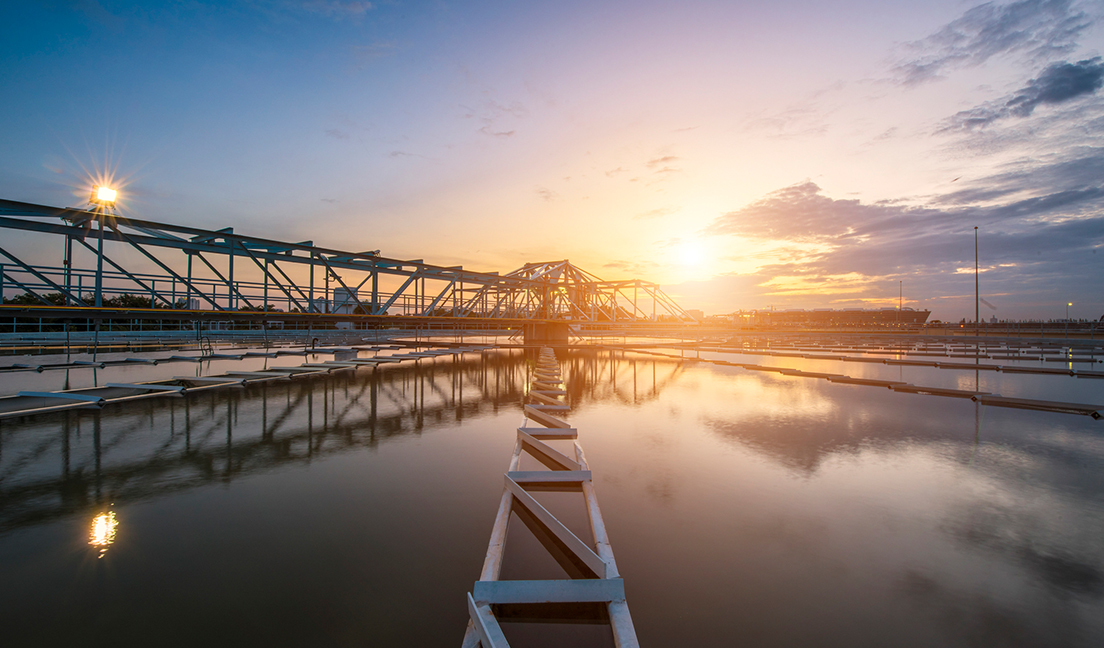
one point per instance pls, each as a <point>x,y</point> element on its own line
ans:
<point>102,533</point>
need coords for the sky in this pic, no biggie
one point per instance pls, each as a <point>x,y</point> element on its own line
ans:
<point>785,154</point>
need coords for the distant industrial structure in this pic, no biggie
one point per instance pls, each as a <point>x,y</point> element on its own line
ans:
<point>829,317</point>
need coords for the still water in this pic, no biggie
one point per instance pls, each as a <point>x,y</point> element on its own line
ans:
<point>744,508</point>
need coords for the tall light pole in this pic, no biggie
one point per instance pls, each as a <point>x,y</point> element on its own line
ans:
<point>977,293</point>
<point>104,200</point>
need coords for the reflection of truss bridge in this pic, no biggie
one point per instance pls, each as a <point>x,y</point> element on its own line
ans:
<point>115,455</point>
<point>155,447</point>
<point>224,275</point>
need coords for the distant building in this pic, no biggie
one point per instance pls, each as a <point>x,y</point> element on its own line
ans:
<point>829,317</point>
<point>695,313</point>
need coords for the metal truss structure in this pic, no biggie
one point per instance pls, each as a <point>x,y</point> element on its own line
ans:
<point>224,274</point>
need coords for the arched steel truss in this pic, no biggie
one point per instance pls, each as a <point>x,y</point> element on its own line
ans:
<point>224,271</point>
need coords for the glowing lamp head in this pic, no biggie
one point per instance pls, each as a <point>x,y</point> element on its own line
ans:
<point>103,196</point>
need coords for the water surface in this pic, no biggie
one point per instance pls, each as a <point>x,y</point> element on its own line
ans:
<point>744,508</point>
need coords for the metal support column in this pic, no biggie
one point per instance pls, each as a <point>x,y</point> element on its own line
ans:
<point>99,262</point>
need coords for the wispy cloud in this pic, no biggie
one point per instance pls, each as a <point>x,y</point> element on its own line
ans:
<point>546,194</point>
<point>665,160</point>
<point>656,213</point>
<point>337,133</point>
<point>487,130</point>
<point>1058,83</point>
<point>636,268</point>
<point>492,113</point>
<point>1040,30</point>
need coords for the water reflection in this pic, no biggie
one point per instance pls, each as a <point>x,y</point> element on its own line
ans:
<point>102,533</point>
<point>744,507</point>
<point>153,448</point>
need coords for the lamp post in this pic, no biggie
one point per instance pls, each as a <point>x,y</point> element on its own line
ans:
<point>1068,304</point>
<point>330,274</point>
<point>977,293</point>
<point>103,199</point>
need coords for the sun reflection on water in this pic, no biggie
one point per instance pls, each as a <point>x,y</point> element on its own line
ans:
<point>102,532</point>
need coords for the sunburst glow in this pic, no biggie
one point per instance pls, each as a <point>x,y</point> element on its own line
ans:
<point>104,195</point>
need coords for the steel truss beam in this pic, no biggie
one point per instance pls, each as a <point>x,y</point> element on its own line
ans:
<point>553,290</point>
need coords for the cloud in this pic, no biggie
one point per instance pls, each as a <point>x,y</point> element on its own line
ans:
<point>666,159</point>
<point>491,113</point>
<point>1030,246</point>
<point>887,134</point>
<point>487,130</point>
<point>636,268</point>
<point>332,201</point>
<point>801,213</point>
<point>545,194</point>
<point>660,167</point>
<point>801,121</point>
<point>657,213</point>
<point>1037,29</point>
<point>1058,83</point>
<point>613,172</point>
<point>1071,173</point>
<point>337,134</point>
<point>514,109</point>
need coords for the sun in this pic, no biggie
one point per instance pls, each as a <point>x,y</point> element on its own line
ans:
<point>691,254</point>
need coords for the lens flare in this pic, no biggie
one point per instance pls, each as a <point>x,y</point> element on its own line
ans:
<point>104,196</point>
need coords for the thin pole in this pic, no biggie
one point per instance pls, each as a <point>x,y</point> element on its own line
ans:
<point>977,293</point>
<point>68,270</point>
<point>99,264</point>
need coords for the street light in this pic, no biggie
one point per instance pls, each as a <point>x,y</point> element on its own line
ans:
<point>103,198</point>
<point>1067,310</point>
<point>977,294</point>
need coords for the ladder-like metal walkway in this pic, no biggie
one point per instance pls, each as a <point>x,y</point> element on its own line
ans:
<point>595,578</point>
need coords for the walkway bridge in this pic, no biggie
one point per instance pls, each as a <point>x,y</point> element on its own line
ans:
<point>117,267</point>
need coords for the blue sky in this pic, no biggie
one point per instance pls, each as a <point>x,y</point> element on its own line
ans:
<point>793,154</point>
